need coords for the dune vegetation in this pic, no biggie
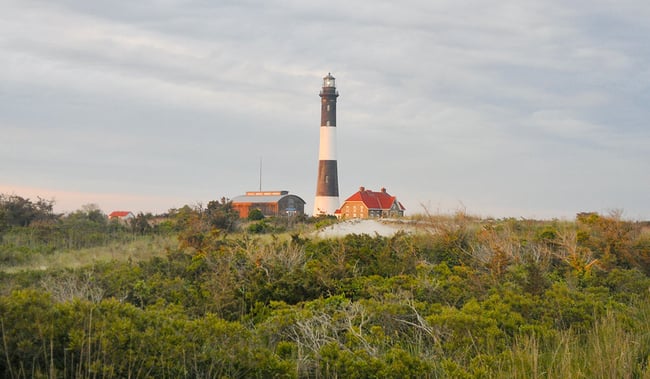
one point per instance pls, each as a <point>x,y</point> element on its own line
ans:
<point>198,293</point>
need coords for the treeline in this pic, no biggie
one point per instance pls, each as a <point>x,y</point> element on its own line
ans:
<point>463,298</point>
<point>31,227</point>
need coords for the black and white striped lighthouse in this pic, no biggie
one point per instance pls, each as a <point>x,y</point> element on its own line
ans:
<point>327,188</point>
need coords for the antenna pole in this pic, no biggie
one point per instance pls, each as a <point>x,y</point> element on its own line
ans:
<point>260,174</point>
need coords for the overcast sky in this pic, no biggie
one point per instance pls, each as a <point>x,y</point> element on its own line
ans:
<point>508,108</point>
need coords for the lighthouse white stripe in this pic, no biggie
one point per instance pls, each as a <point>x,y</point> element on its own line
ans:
<point>327,150</point>
<point>326,205</point>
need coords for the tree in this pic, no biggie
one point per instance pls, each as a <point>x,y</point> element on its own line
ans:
<point>221,214</point>
<point>255,215</point>
<point>84,227</point>
<point>140,223</point>
<point>19,211</point>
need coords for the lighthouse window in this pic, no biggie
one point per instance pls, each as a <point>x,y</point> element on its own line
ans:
<point>327,123</point>
<point>327,179</point>
<point>328,107</point>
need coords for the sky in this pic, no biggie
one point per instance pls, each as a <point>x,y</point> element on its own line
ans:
<point>508,108</point>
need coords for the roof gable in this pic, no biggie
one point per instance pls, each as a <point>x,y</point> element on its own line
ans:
<point>259,197</point>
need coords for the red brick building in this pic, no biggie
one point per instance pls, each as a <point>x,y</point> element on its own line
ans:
<point>370,204</point>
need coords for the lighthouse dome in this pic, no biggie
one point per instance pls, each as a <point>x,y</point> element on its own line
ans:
<point>328,81</point>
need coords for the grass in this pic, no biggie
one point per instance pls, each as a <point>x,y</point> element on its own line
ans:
<point>610,350</point>
<point>139,249</point>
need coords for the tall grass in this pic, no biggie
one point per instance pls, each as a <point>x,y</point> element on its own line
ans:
<point>616,347</point>
<point>140,248</point>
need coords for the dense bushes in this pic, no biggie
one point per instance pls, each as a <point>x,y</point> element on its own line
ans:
<point>463,298</point>
<point>114,339</point>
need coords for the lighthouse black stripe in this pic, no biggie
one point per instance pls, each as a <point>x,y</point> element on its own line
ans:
<point>328,183</point>
<point>328,111</point>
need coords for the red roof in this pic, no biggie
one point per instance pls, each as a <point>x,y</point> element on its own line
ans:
<point>119,214</point>
<point>375,200</point>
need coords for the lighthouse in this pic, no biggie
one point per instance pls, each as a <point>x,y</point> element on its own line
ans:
<point>327,187</point>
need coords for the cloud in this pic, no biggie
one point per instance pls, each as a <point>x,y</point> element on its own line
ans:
<point>523,106</point>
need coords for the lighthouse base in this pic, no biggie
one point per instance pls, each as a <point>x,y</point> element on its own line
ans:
<point>326,205</point>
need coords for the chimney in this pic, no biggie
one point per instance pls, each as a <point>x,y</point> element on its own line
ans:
<point>362,188</point>
<point>383,189</point>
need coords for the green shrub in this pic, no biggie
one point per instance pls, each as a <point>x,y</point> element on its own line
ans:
<point>255,215</point>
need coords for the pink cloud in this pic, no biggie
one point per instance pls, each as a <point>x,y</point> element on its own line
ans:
<point>68,201</point>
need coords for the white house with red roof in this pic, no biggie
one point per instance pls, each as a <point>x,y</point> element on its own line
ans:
<point>121,215</point>
<point>370,204</point>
